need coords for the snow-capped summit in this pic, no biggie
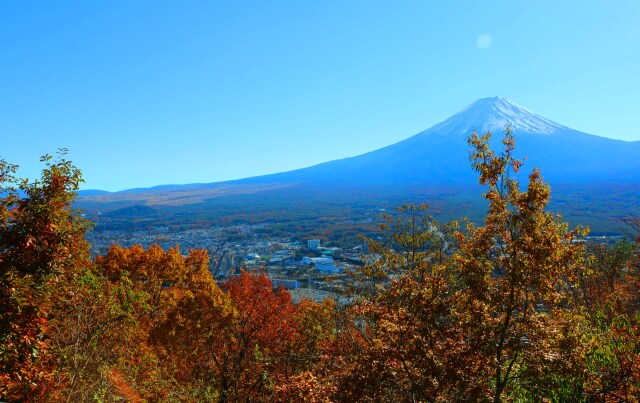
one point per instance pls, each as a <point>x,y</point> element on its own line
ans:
<point>493,114</point>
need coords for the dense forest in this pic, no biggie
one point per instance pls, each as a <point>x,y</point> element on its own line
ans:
<point>518,308</point>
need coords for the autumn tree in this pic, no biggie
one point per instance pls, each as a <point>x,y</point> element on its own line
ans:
<point>258,339</point>
<point>89,337</point>
<point>42,248</point>
<point>191,340</point>
<point>414,243</point>
<point>404,344</point>
<point>242,344</point>
<point>515,270</point>
<point>607,298</point>
<point>168,298</point>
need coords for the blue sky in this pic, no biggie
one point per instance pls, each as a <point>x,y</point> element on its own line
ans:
<point>146,93</point>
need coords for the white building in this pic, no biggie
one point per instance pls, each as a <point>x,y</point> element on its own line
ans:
<point>322,264</point>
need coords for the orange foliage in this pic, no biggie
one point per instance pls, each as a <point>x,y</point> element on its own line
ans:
<point>515,309</point>
<point>42,247</point>
<point>122,389</point>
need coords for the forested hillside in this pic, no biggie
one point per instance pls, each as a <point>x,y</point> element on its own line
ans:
<point>518,308</point>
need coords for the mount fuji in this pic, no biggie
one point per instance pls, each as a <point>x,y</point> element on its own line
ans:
<point>587,171</point>
<point>439,155</point>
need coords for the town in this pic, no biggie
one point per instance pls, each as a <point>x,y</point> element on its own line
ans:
<point>306,268</point>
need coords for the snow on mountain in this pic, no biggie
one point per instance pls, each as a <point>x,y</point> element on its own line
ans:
<point>493,114</point>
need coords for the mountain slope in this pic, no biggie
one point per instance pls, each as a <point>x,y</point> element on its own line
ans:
<point>440,154</point>
<point>435,157</point>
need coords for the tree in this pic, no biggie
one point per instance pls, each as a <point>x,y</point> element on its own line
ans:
<point>414,244</point>
<point>402,343</point>
<point>484,317</point>
<point>258,341</point>
<point>89,336</point>
<point>608,298</point>
<point>173,307</point>
<point>515,270</point>
<point>42,248</point>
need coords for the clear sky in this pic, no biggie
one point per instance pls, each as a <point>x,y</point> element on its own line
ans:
<point>155,92</point>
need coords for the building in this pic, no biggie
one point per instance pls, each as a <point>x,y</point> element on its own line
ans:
<point>288,284</point>
<point>313,244</point>
<point>323,264</point>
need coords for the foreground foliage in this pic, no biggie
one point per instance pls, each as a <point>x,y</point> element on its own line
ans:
<point>516,309</point>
